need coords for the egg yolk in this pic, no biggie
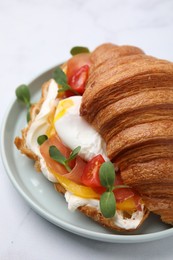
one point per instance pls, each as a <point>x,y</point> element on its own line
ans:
<point>62,108</point>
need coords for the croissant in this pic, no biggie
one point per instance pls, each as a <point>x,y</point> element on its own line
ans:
<point>129,101</point>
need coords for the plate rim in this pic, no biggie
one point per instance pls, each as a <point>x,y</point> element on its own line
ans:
<point>112,238</point>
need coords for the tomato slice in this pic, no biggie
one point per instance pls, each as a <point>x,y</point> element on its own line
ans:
<point>99,190</point>
<point>78,80</point>
<point>77,73</point>
<point>122,194</point>
<point>76,62</point>
<point>90,176</point>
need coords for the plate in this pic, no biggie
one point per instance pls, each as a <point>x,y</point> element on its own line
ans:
<point>41,195</point>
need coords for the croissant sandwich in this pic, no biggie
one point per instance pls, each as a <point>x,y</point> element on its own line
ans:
<point>102,133</point>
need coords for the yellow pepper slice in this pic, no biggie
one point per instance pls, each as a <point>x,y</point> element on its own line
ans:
<point>127,205</point>
<point>76,189</point>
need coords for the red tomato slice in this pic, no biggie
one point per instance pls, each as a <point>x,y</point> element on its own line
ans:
<point>78,80</point>
<point>99,190</point>
<point>90,176</point>
<point>77,72</point>
<point>76,62</point>
<point>122,194</point>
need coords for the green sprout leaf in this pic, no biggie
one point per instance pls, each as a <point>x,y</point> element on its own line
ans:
<point>28,117</point>
<point>41,139</point>
<point>108,204</point>
<point>56,155</point>
<point>59,76</point>
<point>23,94</point>
<point>79,49</point>
<point>107,175</point>
<point>73,154</point>
<point>64,87</point>
<point>107,179</point>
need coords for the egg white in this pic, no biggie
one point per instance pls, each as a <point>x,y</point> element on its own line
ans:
<point>74,131</point>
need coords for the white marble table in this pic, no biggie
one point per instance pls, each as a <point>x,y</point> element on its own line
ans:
<point>34,36</point>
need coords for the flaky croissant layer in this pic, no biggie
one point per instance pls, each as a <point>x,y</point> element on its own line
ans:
<point>129,100</point>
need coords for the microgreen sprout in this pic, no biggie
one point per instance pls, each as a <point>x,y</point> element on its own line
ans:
<point>56,155</point>
<point>23,95</point>
<point>41,139</point>
<point>107,175</point>
<point>79,49</point>
<point>60,77</point>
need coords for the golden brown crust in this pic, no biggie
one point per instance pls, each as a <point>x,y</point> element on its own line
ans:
<point>126,75</point>
<point>147,106</point>
<point>154,180</point>
<point>129,101</point>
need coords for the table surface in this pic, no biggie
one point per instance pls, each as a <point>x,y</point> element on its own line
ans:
<point>35,36</point>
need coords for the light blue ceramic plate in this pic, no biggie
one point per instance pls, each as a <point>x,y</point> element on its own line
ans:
<point>40,193</point>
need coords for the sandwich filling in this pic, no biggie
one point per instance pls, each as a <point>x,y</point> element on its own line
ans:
<point>67,130</point>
